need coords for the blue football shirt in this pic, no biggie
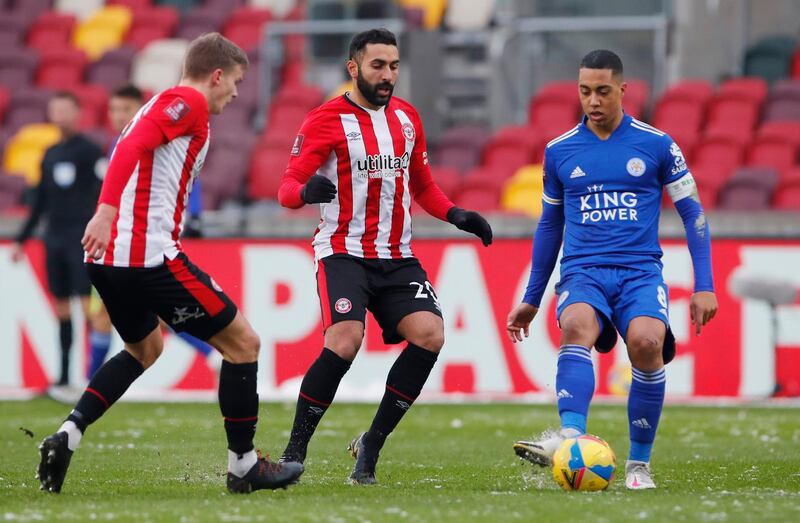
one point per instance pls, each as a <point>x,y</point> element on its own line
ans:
<point>611,193</point>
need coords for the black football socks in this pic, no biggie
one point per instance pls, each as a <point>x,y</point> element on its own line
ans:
<point>316,394</point>
<point>107,386</point>
<point>403,384</point>
<point>65,341</point>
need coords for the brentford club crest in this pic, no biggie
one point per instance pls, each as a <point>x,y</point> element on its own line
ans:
<point>408,132</point>
<point>343,306</point>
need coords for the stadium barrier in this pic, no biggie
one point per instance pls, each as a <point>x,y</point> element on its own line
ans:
<point>273,282</point>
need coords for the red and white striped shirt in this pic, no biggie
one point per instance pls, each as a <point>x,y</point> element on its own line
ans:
<point>150,176</point>
<point>377,159</point>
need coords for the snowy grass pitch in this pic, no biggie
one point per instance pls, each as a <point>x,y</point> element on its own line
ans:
<point>165,462</point>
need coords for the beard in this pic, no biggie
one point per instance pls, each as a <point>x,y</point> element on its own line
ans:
<point>370,91</point>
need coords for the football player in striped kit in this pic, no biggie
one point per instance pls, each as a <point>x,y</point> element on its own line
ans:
<point>362,156</point>
<point>136,263</point>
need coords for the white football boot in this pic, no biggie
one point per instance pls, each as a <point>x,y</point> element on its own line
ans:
<point>539,452</point>
<point>638,476</point>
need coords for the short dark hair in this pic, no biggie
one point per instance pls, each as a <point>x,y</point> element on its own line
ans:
<point>602,59</point>
<point>212,51</point>
<point>66,95</point>
<point>372,36</point>
<point>128,91</point>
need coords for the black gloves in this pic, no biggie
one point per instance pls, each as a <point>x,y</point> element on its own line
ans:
<point>470,221</point>
<point>318,189</point>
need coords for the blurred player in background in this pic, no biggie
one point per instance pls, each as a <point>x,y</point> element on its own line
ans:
<point>603,182</point>
<point>66,196</point>
<point>123,105</point>
<point>362,156</point>
<point>136,263</point>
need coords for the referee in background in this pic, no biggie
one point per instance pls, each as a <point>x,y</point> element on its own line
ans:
<point>66,196</point>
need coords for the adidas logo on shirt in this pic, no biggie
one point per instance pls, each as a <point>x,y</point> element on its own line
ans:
<point>577,172</point>
<point>563,394</point>
<point>641,423</point>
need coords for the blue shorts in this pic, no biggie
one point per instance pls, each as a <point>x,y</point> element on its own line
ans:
<point>618,294</point>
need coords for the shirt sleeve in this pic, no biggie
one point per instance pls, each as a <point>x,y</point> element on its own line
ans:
<point>548,236</point>
<point>553,192</point>
<point>37,210</point>
<point>311,148</point>
<point>681,187</point>
<point>172,115</point>
<point>423,187</point>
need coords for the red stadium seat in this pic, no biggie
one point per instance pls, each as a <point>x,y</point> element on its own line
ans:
<point>266,170</point>
<point>245,26</point>
<point>447,178</point>
<point>778,153</point>
<point>5,97</point>
<point>511,148</point>
<point>674,112</point>
<point>552,115</point>
<point>51,30</point>
<point>787,197</point>
<point>698,90</point>
<point>740,135</point>
<point>753,88</point>
<point>153,23</point>
<point>94,101</point>
<point>478,196</point>
<point>134,5</point>
<point>730,110</point>
<point>796,63</point>
<point>637,94</point>
<point>298,95</point>
<point>787,130</point>
<point>566,90</point>
<point>486,177</point>
<point>720,151</point>
<point>61,68</point>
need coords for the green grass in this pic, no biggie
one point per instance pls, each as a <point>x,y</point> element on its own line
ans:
<point>165,462</point>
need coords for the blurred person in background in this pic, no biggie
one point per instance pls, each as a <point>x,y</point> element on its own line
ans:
<point>72,172</point>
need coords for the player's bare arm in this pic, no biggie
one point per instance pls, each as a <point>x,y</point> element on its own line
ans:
<point>519,321</point>
<point>98,231</point>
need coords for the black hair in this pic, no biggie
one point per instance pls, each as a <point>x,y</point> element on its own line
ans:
<point>372,36</point>
<point>66,95</point>
<point>602,59</point>
<point>128,91</point>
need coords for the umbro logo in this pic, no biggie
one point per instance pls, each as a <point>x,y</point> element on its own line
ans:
<point>316,410</point>
<point>403,405</point>
<point>641,423</point>
<point>563,394</point>
<point>577,172</point>
<point>353,136</point>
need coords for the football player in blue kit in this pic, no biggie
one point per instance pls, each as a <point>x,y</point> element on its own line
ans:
<point>603,183</point>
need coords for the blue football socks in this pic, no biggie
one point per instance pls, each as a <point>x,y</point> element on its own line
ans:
<point>645,402</point>
<point>574,386</point>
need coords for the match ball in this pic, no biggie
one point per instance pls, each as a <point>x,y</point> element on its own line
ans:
<point>584,463</point>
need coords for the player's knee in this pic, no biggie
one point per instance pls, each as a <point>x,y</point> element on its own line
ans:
<point>430,339</point>
<point>645,343</point>
<point>344,340</point>
<point>249,346</point>
<point>578,330</point>
<point>147,354</point>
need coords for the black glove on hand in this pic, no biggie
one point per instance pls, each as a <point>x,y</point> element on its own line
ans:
<point>470,221</point>
<point>318,189</point>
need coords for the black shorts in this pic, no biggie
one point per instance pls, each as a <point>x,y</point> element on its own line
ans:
<point>66,272</point>
<point>178,292</point>
<point>348,286</point>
